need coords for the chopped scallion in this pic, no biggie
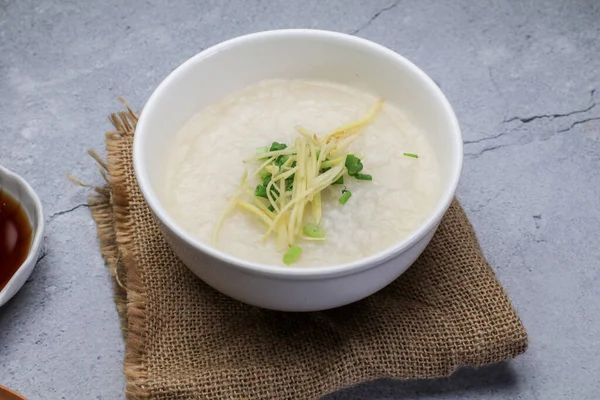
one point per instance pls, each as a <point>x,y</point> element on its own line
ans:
<point>292,255</point>
<point>313,230</point>
<point>345,196</point>
<point>411,155</point>
<point>364,177</point>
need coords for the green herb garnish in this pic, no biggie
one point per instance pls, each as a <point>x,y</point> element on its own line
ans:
<point>346,194</point>
<point>277,146</point>
<point>292,255</point>
<point>353,164</point>
<point>314,231</point>
<point>289,183</point>
<point>261,191</point>
<point>364,177</point>
<point>279,161</point>
<point>411,155</point>
<point>266,180</point>
<point>291,180</point>
<point>264,175</point>
<point>274,191</point>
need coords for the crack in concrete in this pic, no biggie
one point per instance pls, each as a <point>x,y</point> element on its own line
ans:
<point>526,120</point>
<point>375,16</point>
<point>488,149</point>
<point>39,260</point>
<point>582,121</point>
<point>517,143</point>
<point>42,256</point>
<point>485,138</point>
<point>59,213</point>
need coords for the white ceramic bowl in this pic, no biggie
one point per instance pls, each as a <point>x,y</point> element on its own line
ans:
<point>19,189</point>
<point>309,54</point>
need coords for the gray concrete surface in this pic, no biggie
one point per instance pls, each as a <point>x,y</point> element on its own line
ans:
<point>523,76</point>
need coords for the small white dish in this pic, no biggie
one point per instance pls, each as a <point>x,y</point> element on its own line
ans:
<point>293,54</point>
<point>19,189</point>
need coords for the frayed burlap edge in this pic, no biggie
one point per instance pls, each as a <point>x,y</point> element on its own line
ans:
<point>109,207</point>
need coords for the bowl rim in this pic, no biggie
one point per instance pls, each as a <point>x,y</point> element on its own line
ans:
<point>361,264</point>
<point>38,234</point>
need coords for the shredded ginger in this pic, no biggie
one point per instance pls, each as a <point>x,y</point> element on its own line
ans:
<point>292,179</point>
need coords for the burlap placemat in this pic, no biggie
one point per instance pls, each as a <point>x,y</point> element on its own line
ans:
<point>184,340</point>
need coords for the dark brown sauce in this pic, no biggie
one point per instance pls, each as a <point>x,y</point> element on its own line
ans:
<point>15,237</point>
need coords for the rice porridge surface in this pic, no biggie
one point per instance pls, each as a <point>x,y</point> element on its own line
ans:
<point>204,167</point>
